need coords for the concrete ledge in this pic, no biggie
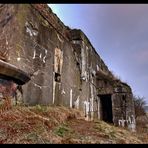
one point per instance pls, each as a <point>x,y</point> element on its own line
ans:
<point>9,71</point>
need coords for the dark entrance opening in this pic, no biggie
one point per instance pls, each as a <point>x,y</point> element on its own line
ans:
<point>106,108</point>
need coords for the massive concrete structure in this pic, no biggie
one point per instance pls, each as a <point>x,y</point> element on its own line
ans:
<point>65,68</point>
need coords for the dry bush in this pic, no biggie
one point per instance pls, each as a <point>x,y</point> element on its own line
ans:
<point>5,105</point>
<point>139,103</point>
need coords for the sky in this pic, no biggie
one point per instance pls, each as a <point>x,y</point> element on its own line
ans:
<point>119,33</point>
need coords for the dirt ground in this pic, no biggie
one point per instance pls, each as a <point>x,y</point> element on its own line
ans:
<point>46,125</point>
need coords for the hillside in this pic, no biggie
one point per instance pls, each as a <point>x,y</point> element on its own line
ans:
<point>40,124</point>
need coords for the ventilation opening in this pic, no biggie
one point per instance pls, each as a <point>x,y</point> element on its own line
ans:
<point>57,77</point>
<point>106,108</point>
<point>78,64</point>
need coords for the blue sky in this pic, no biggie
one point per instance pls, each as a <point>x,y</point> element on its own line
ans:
<point>119,33</point>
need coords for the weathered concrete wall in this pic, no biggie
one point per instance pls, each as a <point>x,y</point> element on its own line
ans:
<point>65,68</point>
<point>123,106</point>
<point>31,49</point>
<point>97,80</point>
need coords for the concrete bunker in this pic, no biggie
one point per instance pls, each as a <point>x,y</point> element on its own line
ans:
<point>66,68</point>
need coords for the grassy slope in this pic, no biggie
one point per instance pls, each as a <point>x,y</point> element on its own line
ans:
<point>40,124</point>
